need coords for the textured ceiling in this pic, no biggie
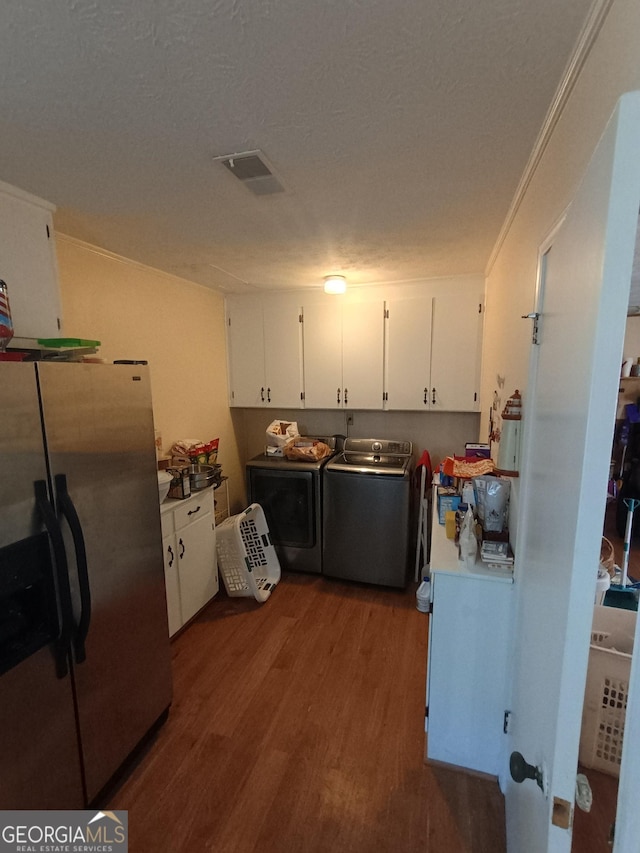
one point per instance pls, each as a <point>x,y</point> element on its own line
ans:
<point>398,128</point>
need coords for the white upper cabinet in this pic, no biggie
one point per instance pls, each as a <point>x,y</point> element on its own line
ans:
<point>322,336</point>
<point>28,264</point>
<point>456,341</point>
<point>363,354</point>
<point>343,354</point>
<point>264,348</point>
<point>395,347</point>
<point>408,354</point>
<point>433,352</point>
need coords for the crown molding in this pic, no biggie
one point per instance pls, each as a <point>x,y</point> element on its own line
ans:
<point>581,51</point>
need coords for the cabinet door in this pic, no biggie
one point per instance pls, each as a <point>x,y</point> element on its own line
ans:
<point>323,354</point>
<point>197,566</point>
<point>455,353</point>
<point>245,347</point>
<point>408,355</point>
<point>467,671</point>
<point>28,265</point>
<point>171,583</point>
<point>363,354</point>
<point>283,354</point>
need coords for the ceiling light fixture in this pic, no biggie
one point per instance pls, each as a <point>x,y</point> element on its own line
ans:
<point>335,284</point>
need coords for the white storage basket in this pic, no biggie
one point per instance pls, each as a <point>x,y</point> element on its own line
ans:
<point>605,700</point>
<point>247,559</point>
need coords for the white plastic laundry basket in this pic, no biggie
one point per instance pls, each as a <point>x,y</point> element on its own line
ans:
<point>605,700</point>
<point>247,559</point>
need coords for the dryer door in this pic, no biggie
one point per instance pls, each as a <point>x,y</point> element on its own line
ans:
<point>288,501</point>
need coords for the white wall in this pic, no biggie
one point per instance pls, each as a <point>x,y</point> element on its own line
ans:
<point>612,68</point>
<point>177,326</point>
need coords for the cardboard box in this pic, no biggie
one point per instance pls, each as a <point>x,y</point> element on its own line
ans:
<point>448,500</point>
<point>477,451</point>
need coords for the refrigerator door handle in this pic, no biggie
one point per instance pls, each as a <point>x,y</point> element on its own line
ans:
<point>63,640</point>
<point>69,512</point>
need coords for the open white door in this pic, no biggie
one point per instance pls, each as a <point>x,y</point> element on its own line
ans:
<point>570,408</point>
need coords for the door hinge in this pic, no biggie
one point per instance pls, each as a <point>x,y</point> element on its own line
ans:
<point>536,325</point>
<point>506,725</point>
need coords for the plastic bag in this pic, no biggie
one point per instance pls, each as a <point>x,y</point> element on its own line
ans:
<point>306,449</point>
<point>468,541</point>
<point>492,501</point>
<point>281,432</point>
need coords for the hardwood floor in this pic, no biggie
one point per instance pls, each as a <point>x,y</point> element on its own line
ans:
<point>297,725</point>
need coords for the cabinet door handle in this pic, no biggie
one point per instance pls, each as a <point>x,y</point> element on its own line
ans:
<point>433,396</point>
<point>194,511</point>
<point>170,553</point>
<point>426,400</point>
<point>268,395</point>
<point>346,397</point>
<point>338,396</point>
<point>262,394</point>
<point>183,549</point>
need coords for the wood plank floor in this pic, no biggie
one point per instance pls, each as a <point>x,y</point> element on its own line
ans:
<point>298,725</point>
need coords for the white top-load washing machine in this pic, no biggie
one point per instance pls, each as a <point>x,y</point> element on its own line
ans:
<point>367,512</point>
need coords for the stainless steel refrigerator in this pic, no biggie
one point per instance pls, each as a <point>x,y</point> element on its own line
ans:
<point>85,667</point>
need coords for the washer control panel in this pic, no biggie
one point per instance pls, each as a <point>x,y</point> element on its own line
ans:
<point>378,446</point>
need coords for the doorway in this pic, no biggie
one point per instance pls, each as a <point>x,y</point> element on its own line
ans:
<point>594,831</point>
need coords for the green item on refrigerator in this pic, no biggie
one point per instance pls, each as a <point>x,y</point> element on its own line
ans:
<point>59,343</point>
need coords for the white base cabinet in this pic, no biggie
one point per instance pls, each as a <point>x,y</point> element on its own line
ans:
<point>189,546</point>
<point>468,660</point>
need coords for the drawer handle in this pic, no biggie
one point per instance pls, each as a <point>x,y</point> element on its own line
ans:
<point>181,543</point>
<point>194,511</point>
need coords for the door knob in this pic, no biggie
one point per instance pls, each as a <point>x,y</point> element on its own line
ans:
<point>520,770</point>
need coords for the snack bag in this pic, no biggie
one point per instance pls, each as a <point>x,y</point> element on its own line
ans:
<point>280,432</point>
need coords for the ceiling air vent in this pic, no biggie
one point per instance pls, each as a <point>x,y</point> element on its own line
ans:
<point>251,168</point>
